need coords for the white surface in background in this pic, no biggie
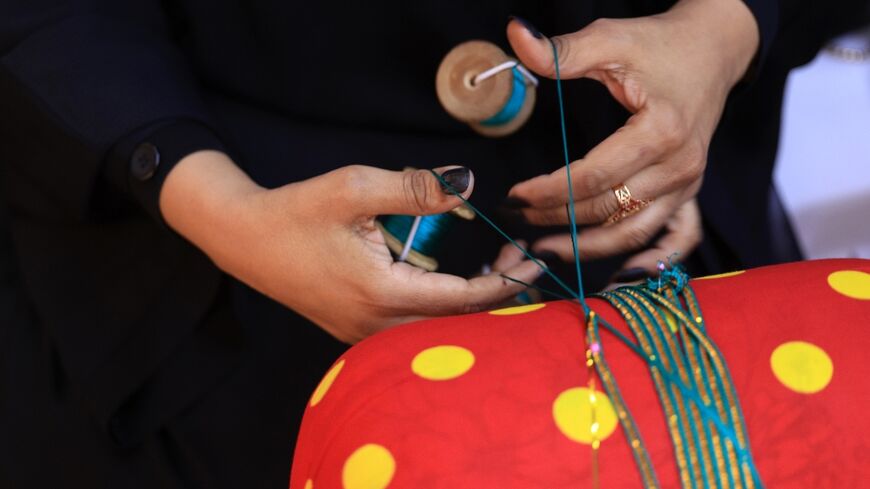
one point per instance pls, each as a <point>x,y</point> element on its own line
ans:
<point>823,167</point>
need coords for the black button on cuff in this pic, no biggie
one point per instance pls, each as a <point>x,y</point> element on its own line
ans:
<point>144,162</point>
<point>140,162</point>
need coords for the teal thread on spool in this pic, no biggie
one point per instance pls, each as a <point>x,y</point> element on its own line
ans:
<point>431,229</point>
<point>514,103</point>
<point>417,239</point>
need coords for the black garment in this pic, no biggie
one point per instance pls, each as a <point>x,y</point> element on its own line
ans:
<point>150,368</point>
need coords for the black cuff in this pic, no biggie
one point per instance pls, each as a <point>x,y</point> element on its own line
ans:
<point>139,163</point>
<point>766,14</point>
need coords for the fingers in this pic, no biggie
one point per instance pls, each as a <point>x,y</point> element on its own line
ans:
<point>649,184</point>
<point>629,234</point>
<point>438,294</point>
<point>684,234</point>
<point>579,52</point>
<point>368,191</point>
<point>642,143</point>
<point>508,257</point>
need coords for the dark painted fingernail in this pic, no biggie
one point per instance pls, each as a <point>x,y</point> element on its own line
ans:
<point>514,203</point>
<point>528,25</point>
<point>455,180</point>
<point>630,275</point>
<point>547,257</point>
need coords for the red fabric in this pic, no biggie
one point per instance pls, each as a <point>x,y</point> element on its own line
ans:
<point>493,427</point>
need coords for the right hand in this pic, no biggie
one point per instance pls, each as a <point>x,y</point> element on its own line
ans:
<point>313,245</point>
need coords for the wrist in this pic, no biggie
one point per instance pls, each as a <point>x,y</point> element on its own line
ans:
<point>727,28</point>
<point>204,198</point>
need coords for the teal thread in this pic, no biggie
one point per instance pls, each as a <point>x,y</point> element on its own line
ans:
<point>504,234</point>
<point>536,287</point>
<point>570,204</point>
<point>430,234</point>
<point>514,103</point>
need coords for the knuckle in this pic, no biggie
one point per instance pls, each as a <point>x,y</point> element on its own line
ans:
<point>416,190</point>
<point>352,181</point>
<point>637,237</point>
<point>473,307</point>
<point>594,180</point>
<point>604,208</point>
<point>669,129</point>
<point>537,218</point>
<point>691,166</point>
<point>696,235</point>
<point>697,160</point>
<point>603,26</point>
<point>563,48</point>
<point>615,31</point>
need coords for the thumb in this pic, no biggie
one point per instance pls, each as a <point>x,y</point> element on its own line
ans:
<point>578,52</point>
<point>374,191</point>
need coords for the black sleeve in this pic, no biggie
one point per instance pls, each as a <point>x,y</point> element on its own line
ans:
<point>83,85</point>
<point>766,13</point>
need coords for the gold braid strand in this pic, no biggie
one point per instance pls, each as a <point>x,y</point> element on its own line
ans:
<point>632,434</point>
<point>593,415</point>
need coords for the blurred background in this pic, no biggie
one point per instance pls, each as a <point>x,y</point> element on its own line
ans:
<point>823,167</point>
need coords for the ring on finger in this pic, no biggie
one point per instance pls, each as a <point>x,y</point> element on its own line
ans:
<point>628,206</point>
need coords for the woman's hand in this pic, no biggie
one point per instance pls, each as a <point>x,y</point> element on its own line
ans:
<point>673,72</point>
<point>314,247</point>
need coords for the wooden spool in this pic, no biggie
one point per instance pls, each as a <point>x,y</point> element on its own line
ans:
<point>473,103</point>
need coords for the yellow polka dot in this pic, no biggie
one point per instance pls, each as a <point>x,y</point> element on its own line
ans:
<point>309,484</point>
<point>851,283</point>
<point>722,275</point>
<point>326,383</point>
<point>370,466</point>
<point>802,367</point>
<point>572,411</point>
<point>442,362</point>
<point>510,311</point>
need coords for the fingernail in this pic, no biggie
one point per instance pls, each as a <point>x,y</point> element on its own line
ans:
<point>455,180</point>
<point>546,256</point>
<point>514,203</point>
<point>528,25</point>
<point>630,275</point>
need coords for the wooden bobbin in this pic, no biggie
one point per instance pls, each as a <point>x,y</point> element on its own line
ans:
<point>473,103</point>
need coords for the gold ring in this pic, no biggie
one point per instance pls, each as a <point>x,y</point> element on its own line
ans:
<point>627,205</point>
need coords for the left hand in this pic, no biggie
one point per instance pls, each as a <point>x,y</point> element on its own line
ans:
<point>673,71</point>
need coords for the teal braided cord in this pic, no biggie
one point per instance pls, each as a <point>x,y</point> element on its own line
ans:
<point>615,297</point>
<point>724,386</point>
<point>680,361</point>
<point>747,450</point>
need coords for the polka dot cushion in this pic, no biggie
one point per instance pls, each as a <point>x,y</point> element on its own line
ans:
<point>496,399</point>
